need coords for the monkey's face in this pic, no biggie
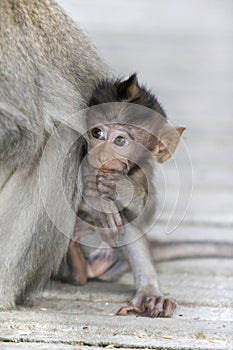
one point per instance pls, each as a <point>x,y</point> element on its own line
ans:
<point>110,146</point>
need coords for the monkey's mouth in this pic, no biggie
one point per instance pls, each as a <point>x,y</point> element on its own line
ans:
<point>106,170</point>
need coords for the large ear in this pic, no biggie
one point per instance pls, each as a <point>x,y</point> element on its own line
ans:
<point>131,87</point>
<point>168,141</point>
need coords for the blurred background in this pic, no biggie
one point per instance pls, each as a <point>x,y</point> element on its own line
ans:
<point>183,50</point>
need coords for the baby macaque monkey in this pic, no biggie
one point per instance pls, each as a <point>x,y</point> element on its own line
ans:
<point>124,140</point>
<point>127,132</point>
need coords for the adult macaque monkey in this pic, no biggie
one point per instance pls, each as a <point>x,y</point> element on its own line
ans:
<point>47,72</point>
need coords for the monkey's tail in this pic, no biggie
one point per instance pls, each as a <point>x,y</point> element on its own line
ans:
<point>190,249</point>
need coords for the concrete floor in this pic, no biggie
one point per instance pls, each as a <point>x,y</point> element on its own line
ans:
<point>67,317</point>
<point>184,51</point>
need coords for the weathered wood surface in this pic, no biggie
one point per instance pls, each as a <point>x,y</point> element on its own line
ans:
<point>183,50</point>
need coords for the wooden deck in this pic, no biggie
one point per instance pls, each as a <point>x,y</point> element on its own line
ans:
<point>184,51</point>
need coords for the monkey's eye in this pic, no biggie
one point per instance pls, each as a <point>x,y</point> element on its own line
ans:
<point>121,141</point>
<point>97,134</point>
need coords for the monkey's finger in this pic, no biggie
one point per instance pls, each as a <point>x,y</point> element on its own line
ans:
<point>107,237</point>
<point>114,222</point>
<point>112,225</point>
<point>106,231</point>
<point>160,307</point>
<point>109,181</point>
<point>107,178</point>
<point>125,309</point>
<point>118,222</point>
<point>107,193</point>
<point>169,307</point>
<point>111,176</point>
<point>105,186</point>
<point>154,306</point>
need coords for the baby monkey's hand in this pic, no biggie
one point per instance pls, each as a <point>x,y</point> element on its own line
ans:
<point>103,211</point>
<point>109,183</point>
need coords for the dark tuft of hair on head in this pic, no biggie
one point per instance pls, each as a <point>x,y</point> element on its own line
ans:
<point>129,90</point>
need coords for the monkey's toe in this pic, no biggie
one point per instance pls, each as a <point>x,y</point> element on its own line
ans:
<point>160,306</point>
<point>124,310</point>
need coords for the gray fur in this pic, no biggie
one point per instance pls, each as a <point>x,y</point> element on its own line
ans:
<point>47,71</point>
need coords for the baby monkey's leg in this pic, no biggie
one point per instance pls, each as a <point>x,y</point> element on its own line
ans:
<point>103,263</point>
<point>73,267</point>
